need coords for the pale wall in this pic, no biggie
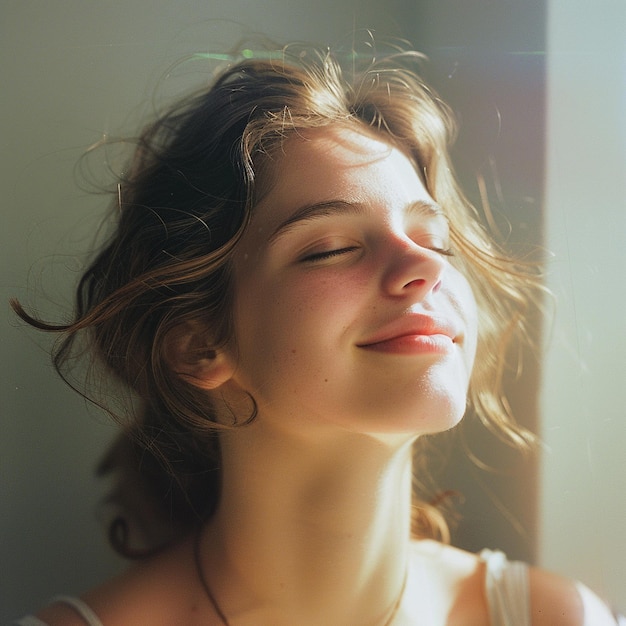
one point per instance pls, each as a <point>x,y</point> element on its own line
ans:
<point>72,70</point>
<point>584,392</point>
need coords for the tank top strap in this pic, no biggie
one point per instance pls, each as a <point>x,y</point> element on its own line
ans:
<point>84,610</point>
<point>508,595</point>
<point>81,607</point>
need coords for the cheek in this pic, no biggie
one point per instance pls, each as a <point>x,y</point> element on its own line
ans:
<point>471,321</point>
<point>306,295</point>
<point>279,321</point>
<point>462,297</point>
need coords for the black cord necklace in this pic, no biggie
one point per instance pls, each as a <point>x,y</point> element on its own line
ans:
<point>203,581</point>
<point>220,613</point>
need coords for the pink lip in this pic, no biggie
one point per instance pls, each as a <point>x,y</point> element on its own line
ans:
<point>415,333</point>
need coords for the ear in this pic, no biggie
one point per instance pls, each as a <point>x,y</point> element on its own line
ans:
<point>189,354</point>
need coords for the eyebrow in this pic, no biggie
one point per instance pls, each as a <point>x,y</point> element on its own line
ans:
<point>310,212</point>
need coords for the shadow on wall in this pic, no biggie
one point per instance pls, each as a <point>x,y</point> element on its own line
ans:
<point>488,64</point>
<point>73,72</point>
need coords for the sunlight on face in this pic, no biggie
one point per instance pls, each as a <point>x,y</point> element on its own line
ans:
<point>348,313</point>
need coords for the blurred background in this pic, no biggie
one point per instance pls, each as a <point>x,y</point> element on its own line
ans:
<point>540,89</point>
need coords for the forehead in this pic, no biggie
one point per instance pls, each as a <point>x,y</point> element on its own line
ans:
<point>349,147</point>
<point>335,162</point>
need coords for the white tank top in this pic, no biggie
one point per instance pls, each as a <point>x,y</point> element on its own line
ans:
<point>506,584</point>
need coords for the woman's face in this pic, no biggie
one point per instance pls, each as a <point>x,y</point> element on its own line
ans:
<point>348,313</point>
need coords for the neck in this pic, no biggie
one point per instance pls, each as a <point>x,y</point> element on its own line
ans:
<point>307,531</point>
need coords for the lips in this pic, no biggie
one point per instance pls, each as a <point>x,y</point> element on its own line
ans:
<point>414,333</point>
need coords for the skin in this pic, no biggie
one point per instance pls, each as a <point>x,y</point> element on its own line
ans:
<point>342,262</point>
<point>306,321</point>
<point>355,334</point>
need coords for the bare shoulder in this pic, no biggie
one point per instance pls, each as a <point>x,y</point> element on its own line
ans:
<point>559,601</point>
<point>554,600</point>
<point>161,590</point>
<point>456,582</point>
<point>447,560</point>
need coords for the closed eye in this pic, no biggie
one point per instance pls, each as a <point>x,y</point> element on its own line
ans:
<point>443,251</point>
<point>327,254</point>
<point>435,242</point>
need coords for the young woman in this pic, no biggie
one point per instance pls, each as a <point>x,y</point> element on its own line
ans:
<point>295,294</point>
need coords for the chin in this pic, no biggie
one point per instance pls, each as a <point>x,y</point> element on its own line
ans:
<point>413,424</point>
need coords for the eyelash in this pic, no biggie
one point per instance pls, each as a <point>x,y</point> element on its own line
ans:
<point>443,251</point>
<point>329,254</point>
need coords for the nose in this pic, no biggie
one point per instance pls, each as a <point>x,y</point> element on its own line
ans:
<point>412,270</point>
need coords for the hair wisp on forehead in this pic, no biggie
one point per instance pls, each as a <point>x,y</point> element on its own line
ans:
<point>196,174</point>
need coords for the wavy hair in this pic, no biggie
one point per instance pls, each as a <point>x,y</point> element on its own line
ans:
<point>183,205</point>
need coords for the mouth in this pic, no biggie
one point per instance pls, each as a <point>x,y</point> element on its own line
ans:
<point>421,334</point>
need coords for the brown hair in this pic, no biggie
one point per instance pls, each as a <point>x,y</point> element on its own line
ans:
<point>183,206</point>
